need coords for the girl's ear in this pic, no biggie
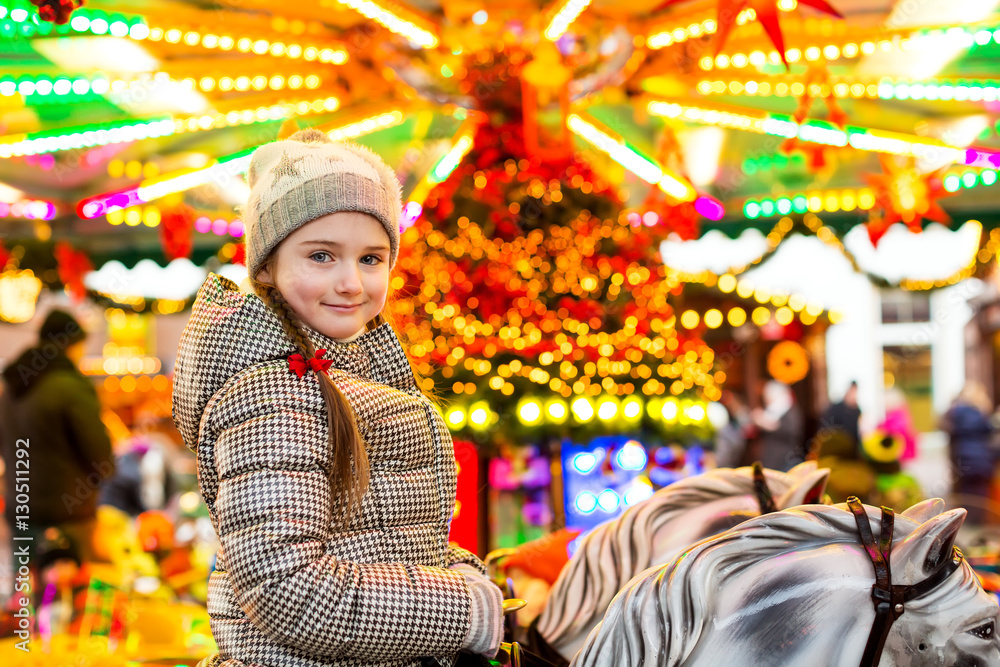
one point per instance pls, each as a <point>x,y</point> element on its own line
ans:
<point>264,276</point>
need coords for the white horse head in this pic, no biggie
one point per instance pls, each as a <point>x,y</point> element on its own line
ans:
<point>794,588</point>
<point>652,532</point>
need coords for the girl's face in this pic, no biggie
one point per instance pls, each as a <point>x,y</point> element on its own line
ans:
<point>333,271</point>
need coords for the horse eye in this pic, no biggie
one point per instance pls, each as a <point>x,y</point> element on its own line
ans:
<point>984,631</point>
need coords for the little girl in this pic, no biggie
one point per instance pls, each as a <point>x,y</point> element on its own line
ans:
<point>328,475</point>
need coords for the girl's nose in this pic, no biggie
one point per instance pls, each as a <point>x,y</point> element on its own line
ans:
<point>349,282</point>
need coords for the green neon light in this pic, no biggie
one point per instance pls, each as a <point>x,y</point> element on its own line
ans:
<point>969,180</point>
<point>86,136</point>
<point>20,19</point>
<point>979,37</point>
<point>766,208</point>
<point>960,90</point>
<point>777,162</point>
<point>449,163</point>
<point>44,88</point>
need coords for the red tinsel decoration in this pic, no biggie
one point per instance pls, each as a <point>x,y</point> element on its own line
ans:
<point>56,11</point>
<point>73,265</point>
<point>176,228</point>
<point>817,154</point>
<point>876,227</point>
<point>905,195</point>
<point>766,12</point>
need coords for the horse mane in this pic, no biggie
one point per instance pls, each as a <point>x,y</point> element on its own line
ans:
<point>660,616</point>
<point>585,587</point>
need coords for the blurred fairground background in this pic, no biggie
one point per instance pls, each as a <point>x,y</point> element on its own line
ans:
<point>641,240</point>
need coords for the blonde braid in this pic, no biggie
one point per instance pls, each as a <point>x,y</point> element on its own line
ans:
<point>349,475</point>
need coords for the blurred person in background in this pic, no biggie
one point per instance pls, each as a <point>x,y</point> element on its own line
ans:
<point>837,446</point>
<point>973,459</point>
<point>782,427</point>
<point>840,422</point>
<point>731,438</point>
<point>899,424</point>
<point>49,404</point>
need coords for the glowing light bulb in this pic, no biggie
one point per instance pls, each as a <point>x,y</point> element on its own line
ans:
<point>607,409</point>
<point>530,412</point>
<point>608,500</point>
<point>584,462</point>
<point>479,415</point>
<point>632,456</point>
<point>456,418</point>
<point>632,408</point>
<point>583,409</point>
<point>669,411</point>
<point>586,502</point>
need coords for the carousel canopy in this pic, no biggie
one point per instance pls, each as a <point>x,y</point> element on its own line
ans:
<point>127,128</point>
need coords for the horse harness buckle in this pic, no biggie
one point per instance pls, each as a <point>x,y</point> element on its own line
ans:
<point>889,600</point>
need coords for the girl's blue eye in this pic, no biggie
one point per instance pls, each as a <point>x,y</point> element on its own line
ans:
<point>321,254</point>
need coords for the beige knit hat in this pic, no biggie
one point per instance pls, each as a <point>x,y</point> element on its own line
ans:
<point>307,176</point>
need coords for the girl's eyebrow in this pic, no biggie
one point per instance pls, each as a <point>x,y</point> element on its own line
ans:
<point>335,244</point>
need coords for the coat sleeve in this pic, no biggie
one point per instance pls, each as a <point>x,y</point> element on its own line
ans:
<point>273,511</point>
<point>457,554</point>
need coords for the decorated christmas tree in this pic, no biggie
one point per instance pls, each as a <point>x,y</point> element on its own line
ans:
<point>535,303</point>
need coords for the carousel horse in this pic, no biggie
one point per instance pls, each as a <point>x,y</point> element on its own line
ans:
<point>651,533</point>
<point>825,586</point>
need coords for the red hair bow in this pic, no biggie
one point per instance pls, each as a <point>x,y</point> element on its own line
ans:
<point>298,364</point>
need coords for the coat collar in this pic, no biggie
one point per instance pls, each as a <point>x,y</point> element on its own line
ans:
<point>230,331</point>
<point>377,355</point>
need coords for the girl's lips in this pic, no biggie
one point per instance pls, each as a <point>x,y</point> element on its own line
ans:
<point>342,309</point>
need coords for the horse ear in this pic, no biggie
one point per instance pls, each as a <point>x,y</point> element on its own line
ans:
<point>806,491</point>
<point>929,545</point>
<point>925,511</point>
<point>803,469</point>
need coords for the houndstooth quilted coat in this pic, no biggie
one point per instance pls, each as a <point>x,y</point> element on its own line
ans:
<point>292,586</point>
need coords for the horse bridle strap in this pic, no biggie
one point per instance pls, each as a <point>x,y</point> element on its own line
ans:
<point>764,498</point>
<point>890,600</point>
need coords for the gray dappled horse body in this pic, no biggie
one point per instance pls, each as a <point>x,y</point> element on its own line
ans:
<point>652,532</point>
<point>794,588</point>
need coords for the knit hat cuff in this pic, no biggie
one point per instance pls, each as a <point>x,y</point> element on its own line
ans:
<point>314,198</point>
